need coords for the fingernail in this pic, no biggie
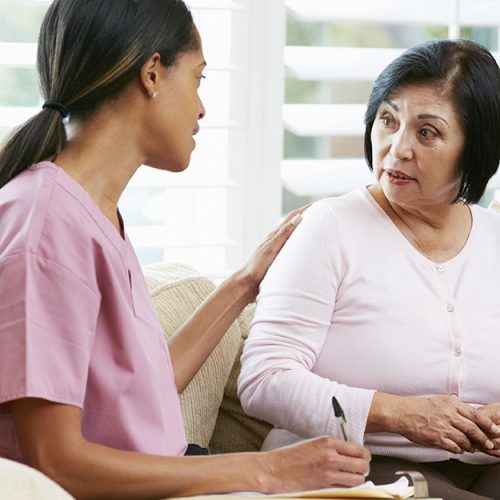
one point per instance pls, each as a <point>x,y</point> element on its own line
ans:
<point>295,220</point>
<point>489,445</point>
<point>495,429</point>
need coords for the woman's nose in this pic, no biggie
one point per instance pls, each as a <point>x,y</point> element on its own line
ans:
<point>402,145</point>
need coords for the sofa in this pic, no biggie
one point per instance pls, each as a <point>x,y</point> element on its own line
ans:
<point>212,413</point>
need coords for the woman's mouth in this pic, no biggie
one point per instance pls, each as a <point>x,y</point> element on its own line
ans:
<point>397,177</point>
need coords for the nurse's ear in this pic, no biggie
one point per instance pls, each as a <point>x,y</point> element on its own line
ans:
<point>150,74</point>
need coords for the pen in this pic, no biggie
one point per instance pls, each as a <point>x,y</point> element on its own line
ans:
<point>339,414</point>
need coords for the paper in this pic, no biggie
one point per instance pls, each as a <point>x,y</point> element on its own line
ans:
<point>398,489</point>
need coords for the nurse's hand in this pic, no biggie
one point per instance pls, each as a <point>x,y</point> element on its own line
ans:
<point>256,268</point>
<point>199,335</point>
<point>317,463</point>
<point>51,440</point>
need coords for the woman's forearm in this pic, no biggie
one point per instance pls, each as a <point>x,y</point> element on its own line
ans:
<point>199,335</point>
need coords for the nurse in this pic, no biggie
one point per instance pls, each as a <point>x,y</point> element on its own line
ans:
<point>88,391</point>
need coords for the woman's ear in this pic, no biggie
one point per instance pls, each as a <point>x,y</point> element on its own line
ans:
<point>150,75</point>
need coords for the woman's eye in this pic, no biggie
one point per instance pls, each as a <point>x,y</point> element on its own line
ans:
<point>428,133</point>
<point>386,121</point>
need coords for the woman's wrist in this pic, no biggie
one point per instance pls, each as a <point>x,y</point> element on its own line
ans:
<point>385,413</point>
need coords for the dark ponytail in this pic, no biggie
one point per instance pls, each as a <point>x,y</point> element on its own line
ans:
<point>88,52</point>
<point>41,137</point>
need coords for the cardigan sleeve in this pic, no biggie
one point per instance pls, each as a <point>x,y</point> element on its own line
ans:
<point>293,316</point>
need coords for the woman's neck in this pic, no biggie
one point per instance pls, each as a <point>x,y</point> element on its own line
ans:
<point>438,232</point>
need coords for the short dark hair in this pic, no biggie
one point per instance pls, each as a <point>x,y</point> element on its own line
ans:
<point>88,52</point>
<point>469,74</point>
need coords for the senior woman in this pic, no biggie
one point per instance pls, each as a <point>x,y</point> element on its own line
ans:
<point>388,298</point>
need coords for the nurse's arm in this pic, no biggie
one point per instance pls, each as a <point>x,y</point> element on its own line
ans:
<point>196,339</point>
<point>51,441</point>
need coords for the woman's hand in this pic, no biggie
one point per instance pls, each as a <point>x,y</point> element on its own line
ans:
<point>444,422</point>
<point>492,411</point>
<point>441,422</point>
<point>255,269</point>
<point>317,463</point>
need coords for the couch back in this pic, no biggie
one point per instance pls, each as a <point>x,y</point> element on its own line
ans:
<point>212,413</point>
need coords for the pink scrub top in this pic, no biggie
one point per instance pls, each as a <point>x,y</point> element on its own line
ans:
<point>77,325</point>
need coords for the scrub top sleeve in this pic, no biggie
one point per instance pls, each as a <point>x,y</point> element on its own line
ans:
<point>47,324</point>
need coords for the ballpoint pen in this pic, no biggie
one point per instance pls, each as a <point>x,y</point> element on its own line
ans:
<point>339,414</point>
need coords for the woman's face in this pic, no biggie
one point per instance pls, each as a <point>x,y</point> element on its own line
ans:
<point>175,114</point>
<point>417,141</point>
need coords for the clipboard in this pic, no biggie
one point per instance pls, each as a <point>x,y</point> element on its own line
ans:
<point>417,485</point>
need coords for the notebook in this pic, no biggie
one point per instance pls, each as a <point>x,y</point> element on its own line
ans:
<point>397,489</point>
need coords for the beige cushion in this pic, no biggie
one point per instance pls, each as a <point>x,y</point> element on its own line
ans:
<point>177,290</point>
<point>20,482</point>
<point>235,431</point>
<point>495,206</point>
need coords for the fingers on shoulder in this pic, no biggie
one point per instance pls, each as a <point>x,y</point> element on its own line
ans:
<point>297,212</point>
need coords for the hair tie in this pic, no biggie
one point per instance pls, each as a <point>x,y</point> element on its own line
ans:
<point>57,106</point>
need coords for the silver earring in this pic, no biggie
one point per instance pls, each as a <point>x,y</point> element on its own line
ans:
<point>154,94</point>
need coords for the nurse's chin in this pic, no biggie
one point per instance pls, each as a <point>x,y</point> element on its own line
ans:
<point>170,166</point>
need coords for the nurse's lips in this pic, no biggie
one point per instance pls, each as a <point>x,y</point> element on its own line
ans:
<point>196,130</point>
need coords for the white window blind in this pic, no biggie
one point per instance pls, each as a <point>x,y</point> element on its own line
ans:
<point>334,52</point>
<point>212,215</point>
<point>287,82</point>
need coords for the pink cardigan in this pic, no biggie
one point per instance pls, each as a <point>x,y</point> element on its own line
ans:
<point>351,307</point>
